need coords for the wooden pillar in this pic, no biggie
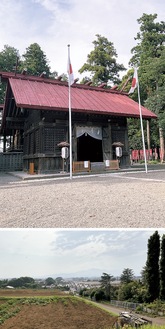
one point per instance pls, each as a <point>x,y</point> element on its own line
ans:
<point>107,142</point>
<point>74,145</point>
<point>4,142</point>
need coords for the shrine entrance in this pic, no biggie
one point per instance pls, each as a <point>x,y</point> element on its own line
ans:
<point>89,144</point>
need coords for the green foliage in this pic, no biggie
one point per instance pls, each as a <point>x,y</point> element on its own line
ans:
<point>99,295</point>
<point>134,134</point>
<point>156,103</point>
<point>85,292</point>
<point>150,39</point>
<point>127,275</point>
<point>101,62</point>
<point>133,292</point>
<point>8,59</point>
<point>35,60</point>
<point>8,310</point>
<point>58,280</point>
<point>49,281</point>
<point>27,282</point>
<point>3,283</point>
<point>105,281</point>
<point>162,269</point>
<point>149,56</point>
<point>152,267</point>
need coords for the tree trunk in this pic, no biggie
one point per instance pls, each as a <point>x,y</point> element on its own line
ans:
<point>162,152</point>
<point>148,135</point>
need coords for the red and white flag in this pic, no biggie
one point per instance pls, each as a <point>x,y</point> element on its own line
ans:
<point>70,72</point>
<point>134,81</point>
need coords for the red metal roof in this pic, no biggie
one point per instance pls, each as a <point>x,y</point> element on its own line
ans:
<point>53,95</point>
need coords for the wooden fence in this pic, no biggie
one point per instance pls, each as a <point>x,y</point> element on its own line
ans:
<point>80,166</point>
<point>87,166</point>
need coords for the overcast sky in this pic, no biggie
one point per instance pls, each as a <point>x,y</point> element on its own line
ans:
<point>54,252</point>
<point>54,24</point>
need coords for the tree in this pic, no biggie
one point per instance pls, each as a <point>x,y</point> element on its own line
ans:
<point>150,39</point>
<point>101,62</point>
<point>162,269</point>
<point>149,56</point>
<point>144,275</point>
<point>132,291</point>
<point>35,60</point>
<point>99,295</point>
<point>58,280</point>
<point>106,280</point>
<point>22,282</point>
<point>127,276</point>
<point>152,267</point>
<point>9,58</point>
<point>49,281</point>
<point>156,103</point>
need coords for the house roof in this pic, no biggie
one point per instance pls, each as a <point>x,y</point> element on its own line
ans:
<point>50,94</point>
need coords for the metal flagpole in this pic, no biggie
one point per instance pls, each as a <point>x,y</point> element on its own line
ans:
<point>141,122</point>
<point>70,117</point>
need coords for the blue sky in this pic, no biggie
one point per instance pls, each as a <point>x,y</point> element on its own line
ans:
<point>54,24</point>
<point>53,252</point>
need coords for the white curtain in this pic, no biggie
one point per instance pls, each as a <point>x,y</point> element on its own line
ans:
<point>95,132</point>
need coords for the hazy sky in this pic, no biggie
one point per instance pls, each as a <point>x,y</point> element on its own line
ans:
<point>54,24</point>
<point>53,252</point>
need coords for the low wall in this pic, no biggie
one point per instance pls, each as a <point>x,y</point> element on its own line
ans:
<point>11,161</point>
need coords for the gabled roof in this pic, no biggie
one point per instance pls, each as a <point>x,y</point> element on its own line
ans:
<point>49,94</point>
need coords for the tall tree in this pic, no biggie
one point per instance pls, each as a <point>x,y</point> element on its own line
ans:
<point>127,275</point>
<point>35,60</point>
<point>152,267</point>
<point>149,56</point>
<point>162,269</point>
<point>101,62</point>
<point>150,40</point>
<point>106,280</point>
<point>9,58</point>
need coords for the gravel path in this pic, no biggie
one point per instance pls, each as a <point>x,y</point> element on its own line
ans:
<point>112,200</point>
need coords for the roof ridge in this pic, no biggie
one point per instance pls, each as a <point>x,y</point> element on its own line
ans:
<point>12,75</point>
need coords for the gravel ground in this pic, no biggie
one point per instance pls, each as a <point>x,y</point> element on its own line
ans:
<point>114,200</point>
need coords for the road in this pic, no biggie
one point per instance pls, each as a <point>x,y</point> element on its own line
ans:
<point>120,199</point>
<point>160,321</point>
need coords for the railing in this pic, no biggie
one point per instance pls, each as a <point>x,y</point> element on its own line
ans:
<point>125,305</point>
<point>112,164</point>
<point>86,166</point>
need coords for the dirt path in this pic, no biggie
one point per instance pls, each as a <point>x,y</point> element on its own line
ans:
<point>160,321</point>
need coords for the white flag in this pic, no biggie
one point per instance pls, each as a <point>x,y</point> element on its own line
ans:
<point>134,81</point>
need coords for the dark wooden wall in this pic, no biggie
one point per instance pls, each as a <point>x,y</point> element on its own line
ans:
<point>44,130</point>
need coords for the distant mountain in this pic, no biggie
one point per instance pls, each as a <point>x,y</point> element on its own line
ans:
<point>90,273</point>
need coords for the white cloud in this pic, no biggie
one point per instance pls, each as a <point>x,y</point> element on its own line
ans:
<point>45,252</point>
<point>54,24</point>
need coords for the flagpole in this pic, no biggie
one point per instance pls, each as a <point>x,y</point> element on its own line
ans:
<point>70,120</point>
<point>141,122</point>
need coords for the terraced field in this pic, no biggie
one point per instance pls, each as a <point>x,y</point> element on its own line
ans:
<point>45,309</point>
